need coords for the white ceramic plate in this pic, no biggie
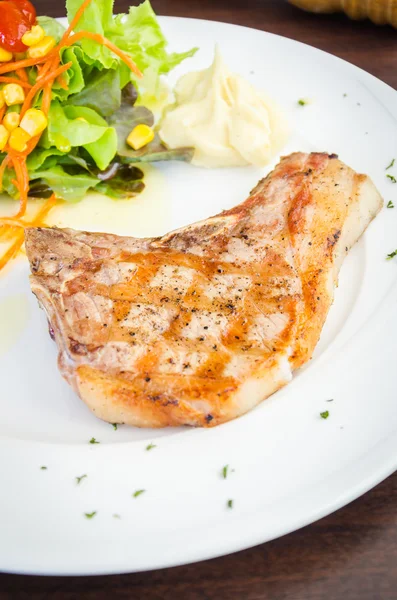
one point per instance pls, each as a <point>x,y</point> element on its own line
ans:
<point>290,467</point>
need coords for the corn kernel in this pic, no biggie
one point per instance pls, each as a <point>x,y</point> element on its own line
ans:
<point>11,120</point>
<point>42,48</point>
<point>5,56</point>
<point>34,36</point>
<point>140,136</point>
<point>34,121</point>
<point>18,139</point>
<point>4,134</point>
<point>13,94</point>
<point>2,101</point>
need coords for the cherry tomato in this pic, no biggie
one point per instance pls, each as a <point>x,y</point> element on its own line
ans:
<point>27,9</point>
<point>16,18</point>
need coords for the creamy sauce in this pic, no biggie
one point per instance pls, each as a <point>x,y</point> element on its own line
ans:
<point>146,215</point>
<point>14,316</point>
<point>9,207</point>
<point>226,120</point>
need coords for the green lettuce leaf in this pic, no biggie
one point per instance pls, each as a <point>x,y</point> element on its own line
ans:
<point>42,156</point>
<point>74,126</point>
<point>104,149</point>
<point>7,186</point>
<point>140,35</point>
<point>51,27</point>
<point>81,150</point>
<point>84,112</point>
<point>125,119</point>
<point>71,188</point>
<point>156,151</point>
<point>137,33</point>
<point>101,93</point>
<point>121,182</point>
<point>39,189</point>
<point>126,183</point>
<point>73,77</point>
<point>74,157</point>
<point>97,18</point>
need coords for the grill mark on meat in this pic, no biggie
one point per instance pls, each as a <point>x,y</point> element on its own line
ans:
<point>332,239</point>
<point>198,326</point>
<point>82,349</point>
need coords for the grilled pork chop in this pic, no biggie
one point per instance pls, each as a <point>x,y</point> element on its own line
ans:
<point>200,325</point>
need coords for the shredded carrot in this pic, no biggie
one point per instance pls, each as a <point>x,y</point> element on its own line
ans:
<point>21,183</point>
<point>31,145</point>
<point>97,37</point>
<point>2,111</point>
<point>11,222</point>
<point>20,236</point>
<point>24,84</point>
<point>62,82</point>
<point>52,55</point>
<point>12,250</point>
<point>52,63</point>
<point>7,232</point>
<point>43,70</point>
<point>44,210</point>
<point>37,86</point>
<point>21,64</point>
<point>22,74</point>
<point>46,100</point>
<point>49,70</point>
<point>75,20</point>
<point>19,159</point>
<point>45,106</point>
<point>3,167</point>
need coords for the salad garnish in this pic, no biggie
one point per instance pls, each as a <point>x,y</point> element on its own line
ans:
<point>22,140</point>
<point>9,225</point>
<point>75,105</point>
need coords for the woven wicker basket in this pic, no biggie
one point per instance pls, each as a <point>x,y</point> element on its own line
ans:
<point>379,11</point>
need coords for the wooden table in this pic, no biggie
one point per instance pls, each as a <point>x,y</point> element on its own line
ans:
<point>351,554</point>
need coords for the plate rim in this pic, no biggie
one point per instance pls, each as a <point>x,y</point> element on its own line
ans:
<point>381,469</point>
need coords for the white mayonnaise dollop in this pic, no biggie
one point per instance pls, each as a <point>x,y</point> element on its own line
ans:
<point>226,120</point>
